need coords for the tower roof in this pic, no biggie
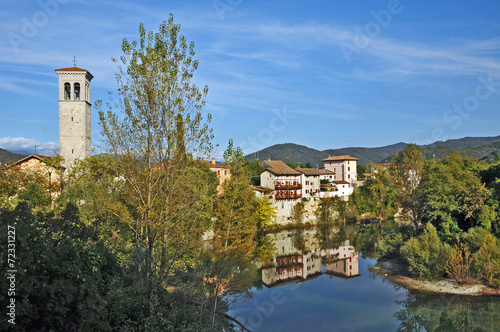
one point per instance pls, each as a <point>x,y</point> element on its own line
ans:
<point>74,68</point>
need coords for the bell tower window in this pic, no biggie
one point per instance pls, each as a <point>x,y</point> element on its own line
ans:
<point>67,91</point>
<point>77,91</point>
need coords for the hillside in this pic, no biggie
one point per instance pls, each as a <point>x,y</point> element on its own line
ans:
<point>7,156</point>
<point>368,155</point>
<point>484,148</point>
<point>290,152</point>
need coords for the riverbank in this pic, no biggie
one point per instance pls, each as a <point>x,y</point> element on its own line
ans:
<point>398,274</point>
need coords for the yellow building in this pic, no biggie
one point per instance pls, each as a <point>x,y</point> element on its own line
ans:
<point>222,170</point>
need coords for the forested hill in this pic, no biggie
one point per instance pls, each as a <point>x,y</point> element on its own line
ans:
<point>484,148</point>
<point>7,156</point>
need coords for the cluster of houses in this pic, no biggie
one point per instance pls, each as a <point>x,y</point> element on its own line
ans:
<point>286,186</point>
<point>337,178</point>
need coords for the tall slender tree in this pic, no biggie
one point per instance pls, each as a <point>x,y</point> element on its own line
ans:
<point>157,119</point>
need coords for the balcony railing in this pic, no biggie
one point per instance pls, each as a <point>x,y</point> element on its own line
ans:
<point>287,186</point>
<point>288,196</point>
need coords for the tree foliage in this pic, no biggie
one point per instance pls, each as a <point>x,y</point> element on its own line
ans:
<point>407,174</point>
<point>426,255</point>
<point>454,199</point>
<point>159,124</point>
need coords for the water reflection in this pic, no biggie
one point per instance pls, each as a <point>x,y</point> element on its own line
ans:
<point>300,254</point>
<point>434,312</point>
<point>322,279</point>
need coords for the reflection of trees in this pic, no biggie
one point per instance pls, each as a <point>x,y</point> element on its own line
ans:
<point>430,312</point>
<point>298,240</point>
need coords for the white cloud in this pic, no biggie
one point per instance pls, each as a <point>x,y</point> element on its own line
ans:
<point>28,145</point>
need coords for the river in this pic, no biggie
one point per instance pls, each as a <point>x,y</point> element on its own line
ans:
<point>321,279</point>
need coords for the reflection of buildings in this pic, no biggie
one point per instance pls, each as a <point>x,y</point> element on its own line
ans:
<point>345,262</point>
<point>292,265</point>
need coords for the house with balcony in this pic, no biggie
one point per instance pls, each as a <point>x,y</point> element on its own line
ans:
<point>285,181</point>
<point>311,185</point>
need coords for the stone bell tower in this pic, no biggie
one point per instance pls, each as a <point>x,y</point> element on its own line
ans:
<point>74,114</point>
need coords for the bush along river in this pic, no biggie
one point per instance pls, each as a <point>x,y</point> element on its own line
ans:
<point>326,279</point>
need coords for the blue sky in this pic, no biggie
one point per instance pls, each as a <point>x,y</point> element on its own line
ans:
<point>325,74</point>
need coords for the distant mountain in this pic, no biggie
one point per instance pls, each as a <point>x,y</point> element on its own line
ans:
<point>465,142</point>
<point>368,155</point>
<point>7,156</point>
<point>290,152</point>
<point>484,148</point>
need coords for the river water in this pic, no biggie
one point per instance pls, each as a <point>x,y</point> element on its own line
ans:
<point>320,280</point>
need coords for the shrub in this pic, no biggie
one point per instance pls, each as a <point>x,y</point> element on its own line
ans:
<point>474,238</point>
<point>459,264</point>
<point>426,255</point>
<point>487,260</point>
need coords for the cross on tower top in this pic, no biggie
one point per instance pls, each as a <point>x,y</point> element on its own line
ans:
<point>35,147</point>
<point>74,61</point>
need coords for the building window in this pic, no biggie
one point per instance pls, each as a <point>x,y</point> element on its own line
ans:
<point>77,91</point>
<point>348,169</point>
<point>71,118</point>
<point>282,205</point>
<point>67,91</point>
<point>72,151</point>
<point>218,173</point>
<point>348,176</point>
<point>225,172</point>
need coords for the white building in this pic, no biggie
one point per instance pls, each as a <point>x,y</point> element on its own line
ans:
<point>344,168</point>
<point>311,186</point>
<point>74,114</point>
<point>284,180</point>
<point>345,179</point>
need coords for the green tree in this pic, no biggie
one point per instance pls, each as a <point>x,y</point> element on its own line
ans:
<point>381,189</point>
<point>453,198</point>
<point>487,260</point>
<point>426,255</point>
<point>235,226</point>
<point>254,168</point>
<point>66,277</point>
<point>407,173</point>
<point>17,184</point>
<point>266,212</point>
<point>161,119</point>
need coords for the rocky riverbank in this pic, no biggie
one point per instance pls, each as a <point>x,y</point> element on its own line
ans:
<point>398,274</point>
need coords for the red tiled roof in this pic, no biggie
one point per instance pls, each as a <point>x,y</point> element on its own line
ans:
<point>262,189</point>
<point>339,158</point>
<point>75,69</point>
<point>71,69</point>
<point>278,167</point>
<point>314,171</point>
<point>325,171</point>
<point>34,155</point>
